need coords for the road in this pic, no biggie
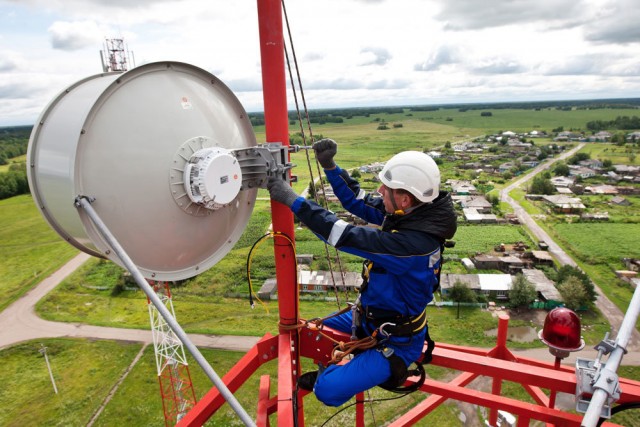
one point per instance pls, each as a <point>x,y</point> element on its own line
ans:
<point>609,310</point>
<point>20,322</point>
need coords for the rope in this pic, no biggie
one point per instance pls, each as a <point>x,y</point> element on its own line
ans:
<point>304,141</point>
<point>341,348</point>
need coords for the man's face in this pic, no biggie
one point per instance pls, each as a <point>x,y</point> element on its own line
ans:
<point>388,196</point>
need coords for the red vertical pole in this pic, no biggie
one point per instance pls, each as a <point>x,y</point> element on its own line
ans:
<point>277,130</point>
<point>501,343</point>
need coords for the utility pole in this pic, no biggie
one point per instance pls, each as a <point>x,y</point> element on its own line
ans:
<point>43,350</point>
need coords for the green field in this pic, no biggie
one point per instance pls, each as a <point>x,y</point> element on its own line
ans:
<point>617,155</point>
<point>479,239</point>
<point>85,372</point>
<point>30,250</point>
<point>209,303</point>
<point>601,242</point>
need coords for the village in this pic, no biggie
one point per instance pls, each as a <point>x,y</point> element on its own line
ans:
<point>470,170</point>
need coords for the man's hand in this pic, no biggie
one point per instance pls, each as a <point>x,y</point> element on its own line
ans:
<point>281,192</point>
<point>325,150</point>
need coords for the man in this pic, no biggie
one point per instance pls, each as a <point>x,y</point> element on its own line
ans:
<point>401,271</point>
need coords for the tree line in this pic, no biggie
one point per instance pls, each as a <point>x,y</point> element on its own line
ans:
<point>13,143</point>
<point>620,122</point>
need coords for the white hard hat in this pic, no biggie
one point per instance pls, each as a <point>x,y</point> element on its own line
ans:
<point>413,171</point>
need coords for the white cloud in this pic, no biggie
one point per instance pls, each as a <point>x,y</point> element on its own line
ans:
<point>349,52</point>
<point>374,56</point>
<point>615,22</point>
<point>469,14</point>
<point>75,35</point>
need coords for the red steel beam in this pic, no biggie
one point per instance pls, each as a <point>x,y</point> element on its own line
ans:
<point>265,350</point>
<point>262,418</point>
<point>276,118</point>
<point>488,400</point>
<point>510,371</point>
<point>423,408</point>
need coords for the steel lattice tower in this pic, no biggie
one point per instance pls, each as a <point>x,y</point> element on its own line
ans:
<point>114,56</point>
<point>176,387</point>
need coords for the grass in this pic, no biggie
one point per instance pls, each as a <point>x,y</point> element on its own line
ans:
<point>472,239</point>
<point>617,155</point>
<point>84,372</point>
<point>203,305</point>
<point>30,250</point>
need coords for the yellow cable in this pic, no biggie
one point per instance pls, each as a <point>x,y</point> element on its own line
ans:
<point>250,258</point>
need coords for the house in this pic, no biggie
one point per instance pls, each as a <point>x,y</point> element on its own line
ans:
<point>563,190</point>
<point>494,285</point>
<point>601,189</point>
<point>562,181</point>
<point>627,169</point>
<point>463,188</point>
<point>591,163</point>
<point>508,264</point>
<point>321,281</point>
<point>620,201</point>
<point>475,217</point>
<point>546,289</point>
<point>479,203</point>
<point>542,258</point>
<point>601,136</point>
<point>633,136</point>
<point>531,163</point>
<point>565,204</point>
<point>537,134</point>
<point>505,167</point>
<point>568,136</point>
<point>581,171</point>
<point>518,145</point>
<point>372,168</point>
<point>595,216</point>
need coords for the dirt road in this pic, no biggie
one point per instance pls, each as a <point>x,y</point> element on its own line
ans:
<point>609,310</point>
<point>20,323</point>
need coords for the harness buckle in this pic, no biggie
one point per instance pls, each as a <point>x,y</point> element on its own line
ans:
<point>383,332</point>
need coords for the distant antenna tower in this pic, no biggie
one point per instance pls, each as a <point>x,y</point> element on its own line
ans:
<point>115,56</point>
<point>176,388</point>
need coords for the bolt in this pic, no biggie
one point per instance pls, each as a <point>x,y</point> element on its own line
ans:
<point>107,252</point>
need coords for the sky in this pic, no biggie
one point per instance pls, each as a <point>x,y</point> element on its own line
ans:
<point>350,53</point>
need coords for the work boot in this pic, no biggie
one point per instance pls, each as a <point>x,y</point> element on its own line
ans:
<point>307,380</point>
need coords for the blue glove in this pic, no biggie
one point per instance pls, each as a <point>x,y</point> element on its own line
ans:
<point>325,150</point>
<point>281,192</point>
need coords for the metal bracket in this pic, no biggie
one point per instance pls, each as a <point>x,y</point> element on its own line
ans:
<point>591,378</point>
<point>261,162</point>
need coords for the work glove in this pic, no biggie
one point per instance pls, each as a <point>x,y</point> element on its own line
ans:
<point>281,192</point>
<point>325,150</point>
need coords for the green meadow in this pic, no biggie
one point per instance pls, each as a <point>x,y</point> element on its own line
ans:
<point>216,301</point>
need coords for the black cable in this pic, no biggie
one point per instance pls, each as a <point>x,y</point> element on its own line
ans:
<point>248,264</point>
<point>620,408</point>
<point>365,401</point>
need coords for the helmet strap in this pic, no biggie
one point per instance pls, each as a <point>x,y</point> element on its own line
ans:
<point>396,211</point>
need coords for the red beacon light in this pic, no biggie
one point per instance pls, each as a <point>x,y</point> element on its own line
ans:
<point>561,332</point>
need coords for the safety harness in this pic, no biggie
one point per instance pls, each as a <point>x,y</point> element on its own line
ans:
<point>386,324</point>
<point>390,323</point>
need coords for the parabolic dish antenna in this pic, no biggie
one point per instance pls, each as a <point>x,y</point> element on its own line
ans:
<point>154,147</point>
